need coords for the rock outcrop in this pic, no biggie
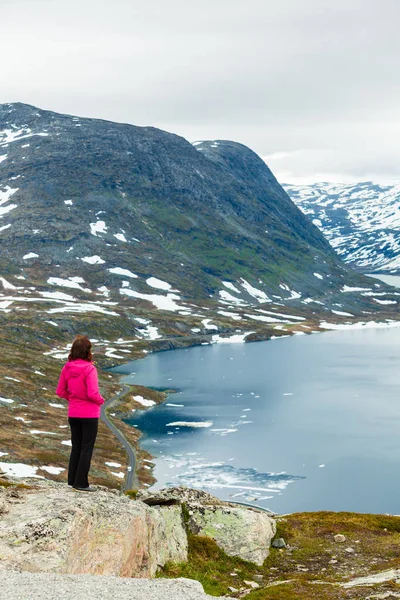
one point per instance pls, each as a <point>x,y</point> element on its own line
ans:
<point>48,527</point>
<point>52,528</point>
<point>246,533</point>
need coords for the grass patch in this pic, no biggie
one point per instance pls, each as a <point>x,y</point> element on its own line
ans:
<point>312,556</point>
<point>210,565</point>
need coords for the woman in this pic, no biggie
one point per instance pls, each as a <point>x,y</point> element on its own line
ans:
<point>78,384</point>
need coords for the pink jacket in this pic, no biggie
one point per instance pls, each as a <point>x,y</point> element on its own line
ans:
<point>78,384</point>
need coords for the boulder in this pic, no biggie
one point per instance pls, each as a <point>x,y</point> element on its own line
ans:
<point>279,543</point>
<point>240,531</point>
<point>54,529</point>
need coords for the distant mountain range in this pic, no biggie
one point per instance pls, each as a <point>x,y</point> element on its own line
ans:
<point>361,221</point>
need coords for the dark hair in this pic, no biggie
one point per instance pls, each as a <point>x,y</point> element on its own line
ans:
<point>81,348</point>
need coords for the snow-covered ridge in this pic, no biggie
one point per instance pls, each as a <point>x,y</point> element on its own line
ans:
<point>361,221</point>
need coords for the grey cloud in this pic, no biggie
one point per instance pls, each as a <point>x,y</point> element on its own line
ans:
<point>316,79</point>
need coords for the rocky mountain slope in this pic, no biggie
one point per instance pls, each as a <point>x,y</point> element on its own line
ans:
<point>107,203</point>
<point>103,225</point>
<point>361,221</point>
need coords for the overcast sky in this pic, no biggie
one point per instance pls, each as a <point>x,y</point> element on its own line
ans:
<point>313,86</point>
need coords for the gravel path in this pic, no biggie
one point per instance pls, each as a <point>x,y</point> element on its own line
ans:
<point>50,586</point>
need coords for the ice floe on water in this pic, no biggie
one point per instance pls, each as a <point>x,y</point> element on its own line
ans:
<point>223,431</point>
<point>194,471</point>
<point>194,424</point>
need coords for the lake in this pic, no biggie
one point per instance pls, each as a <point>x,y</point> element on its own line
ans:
<point>296,424</point>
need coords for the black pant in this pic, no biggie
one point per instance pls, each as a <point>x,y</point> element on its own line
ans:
<point>83,437</point>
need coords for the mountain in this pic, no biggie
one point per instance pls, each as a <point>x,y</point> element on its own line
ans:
<point>88,198</point>
<point>147,200</point>
<point>361,221</point>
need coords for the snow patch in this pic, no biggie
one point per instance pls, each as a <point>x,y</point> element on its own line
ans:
<point>143,401</point>
<point>124,272</point>
<point>93,260</point>
<point>98,227</point>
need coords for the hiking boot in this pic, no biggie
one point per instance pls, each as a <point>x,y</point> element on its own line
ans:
<point>86,489</point>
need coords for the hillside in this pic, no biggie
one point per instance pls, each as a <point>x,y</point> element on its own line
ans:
<point>143,241</point>
<point>361,221</point>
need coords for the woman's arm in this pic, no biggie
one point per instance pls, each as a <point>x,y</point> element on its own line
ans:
<point>62,389</point>
<point>92,386</point>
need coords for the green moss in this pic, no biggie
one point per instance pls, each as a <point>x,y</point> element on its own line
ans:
<point>132,494</point>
